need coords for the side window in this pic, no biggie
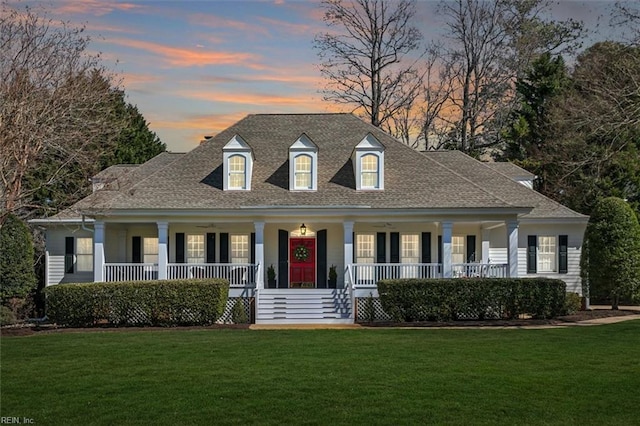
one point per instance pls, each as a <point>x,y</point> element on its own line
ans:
<point>239,249</point>
<point>409,248</point>
<point>84,254</point>
<point>458,253</point>
<point>150,250</point>
<point>195,249</point>
<point>546,254</point>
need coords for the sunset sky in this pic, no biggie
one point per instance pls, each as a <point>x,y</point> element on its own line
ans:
<point>195,67</point>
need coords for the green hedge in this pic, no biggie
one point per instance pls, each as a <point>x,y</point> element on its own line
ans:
<point>140,303</point>
<point>476,298</point>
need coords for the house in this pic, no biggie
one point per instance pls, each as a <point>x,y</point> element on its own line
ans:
<point>302,193</point>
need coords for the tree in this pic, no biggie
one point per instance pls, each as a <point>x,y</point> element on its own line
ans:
<point>611,256</point>
<point>364,61</point>
<point>57,102</point>
<point>488,46</point>
<point>593,144</point>
<point>17,277</point>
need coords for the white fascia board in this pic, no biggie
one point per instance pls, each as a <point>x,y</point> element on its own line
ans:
<point>51,221</point>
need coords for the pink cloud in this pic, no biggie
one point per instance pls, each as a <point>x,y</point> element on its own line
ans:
<point>94,7</point>
<point>188,57</point>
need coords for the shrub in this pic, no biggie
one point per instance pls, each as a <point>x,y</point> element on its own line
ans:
<point>572,303</point>
<point>17,276</point>
<point>611,253</point>
<point>6,316</point>
<point>479,298</point>
<point>238,314</point>
<point>155,303</point>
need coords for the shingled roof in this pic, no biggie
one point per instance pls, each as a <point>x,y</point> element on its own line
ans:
<point>193,181</point>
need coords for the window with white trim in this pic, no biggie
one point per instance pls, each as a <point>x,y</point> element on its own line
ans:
<point>546,254</point>
<point>458,252</point>
<point>409,248</point>
<point>237,172</point>
<point>369,174</point>
<point>303,171</point>
<point>365,248</point>
<point>150,250</point>
<point>195,249</point>
<point>239,248</point>
<point>84,254</point>
<point>368,164</point>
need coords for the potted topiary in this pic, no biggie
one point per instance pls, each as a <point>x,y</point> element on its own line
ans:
<point>333,277</point>
<point>271,277</point>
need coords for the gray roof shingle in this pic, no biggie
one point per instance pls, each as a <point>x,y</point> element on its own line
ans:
<point>412,180</point>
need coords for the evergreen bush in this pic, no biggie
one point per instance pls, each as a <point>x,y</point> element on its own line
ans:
<point>238,314</point>
<point>407,300</point>
<point>153,303</point>
<point>610,260</point>
<point>17,275</point>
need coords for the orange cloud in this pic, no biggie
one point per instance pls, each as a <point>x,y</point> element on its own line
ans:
<point>182,57</point>
<point>94,7</point>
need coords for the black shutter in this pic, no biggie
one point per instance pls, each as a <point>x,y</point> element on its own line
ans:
<point>211,247</point>
<point>224,247</point>
<point>136,249</point>
<point>353,247</point>
<point>532,242</point>
<point>252,255</point>
<point>321,273</point>
<point>180,247</point>
<point>283,258</point>
<point>440,249</point>
<point>471,248</point>
<point>395,247</point>
<point>381,247</point>
<point>563,248</point>
<point>69,251</point>
<point>426,247</point>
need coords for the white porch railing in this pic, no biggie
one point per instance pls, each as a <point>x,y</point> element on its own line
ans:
<point>480,270</point>
<point>238,274</point>
<point>368,274</point>
<point>130,271</point>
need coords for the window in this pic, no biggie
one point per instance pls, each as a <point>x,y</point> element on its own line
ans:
<point>458,253</point>
<point>410,249</point>
<point>195,249</point>
<point>237,157</point>
<point>368,163</point>
<point>303,165</point>
<point>239,249</point>
<point>546,254</point>
<point>84,254</point>
<point>365,248</point>
<point>237,175</point>
<point>303,172</point>
<point>370,171</point>
<point>150,250</point>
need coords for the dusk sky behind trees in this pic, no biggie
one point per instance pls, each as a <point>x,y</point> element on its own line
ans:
<point>195,67</point>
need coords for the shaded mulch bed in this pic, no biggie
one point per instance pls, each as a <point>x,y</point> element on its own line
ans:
<point>31,329</point>
<point>566,319</point>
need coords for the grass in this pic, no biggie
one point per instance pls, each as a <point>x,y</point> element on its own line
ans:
<point>578,375</point>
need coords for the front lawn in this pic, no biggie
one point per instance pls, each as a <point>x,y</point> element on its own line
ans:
<point>578,375</point>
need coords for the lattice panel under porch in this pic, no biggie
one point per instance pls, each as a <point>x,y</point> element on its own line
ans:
<point>369,309</point>
<point>227,314</point>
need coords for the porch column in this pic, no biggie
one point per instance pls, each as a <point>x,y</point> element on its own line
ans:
<point>163,253</point>
<point>98,251</point>
<point>512,247</point>
<point>447,228</point>
<point>259,254</point>
<point>485,246</point>
<point>348,247</point>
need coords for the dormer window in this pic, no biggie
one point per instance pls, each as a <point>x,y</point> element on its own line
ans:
<point>303,165</point>
<point>238,165</point>
<point>368,160</point>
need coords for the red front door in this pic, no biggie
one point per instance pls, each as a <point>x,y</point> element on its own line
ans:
<point>302,261</point>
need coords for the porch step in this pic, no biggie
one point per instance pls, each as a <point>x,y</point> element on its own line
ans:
<point>303,306</point>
